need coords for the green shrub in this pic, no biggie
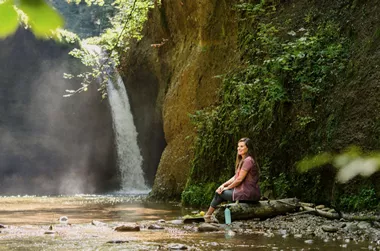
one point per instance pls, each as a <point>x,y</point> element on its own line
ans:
<point>198,195</point>
<point>366,199</point>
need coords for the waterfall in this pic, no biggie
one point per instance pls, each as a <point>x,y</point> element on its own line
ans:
<point>129,159</point>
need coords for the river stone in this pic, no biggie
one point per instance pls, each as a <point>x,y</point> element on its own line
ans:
<point>351,226</point>
<point>308,241</point>
<point>155,227</point>
<point>117,241</point>
<point>330,229</point>
<point>206,227</point>
<point>177,246</point>
<point>128,228</point>
<point>98,223</point>
<point>176,222</point>
<point>364,225</point>
<point>320,207</point>
<point>2,226</point>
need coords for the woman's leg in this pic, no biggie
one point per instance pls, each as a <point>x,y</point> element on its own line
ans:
<point>219,198</point>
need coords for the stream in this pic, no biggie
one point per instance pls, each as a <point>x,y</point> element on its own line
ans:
<point>33,223</point>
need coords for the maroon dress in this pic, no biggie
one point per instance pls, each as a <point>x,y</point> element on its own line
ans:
<point>249,187</point>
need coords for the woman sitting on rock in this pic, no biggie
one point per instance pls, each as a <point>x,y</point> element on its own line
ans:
<point>244,185</point>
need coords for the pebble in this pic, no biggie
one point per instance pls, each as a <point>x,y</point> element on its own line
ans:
<point>155,227</point>
<point>309,241</point>
<point>176,246</point>
<point>117,241</point>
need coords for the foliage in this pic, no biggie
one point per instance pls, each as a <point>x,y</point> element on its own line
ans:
<point>366,198</point>
<point>36,14</point>
<point>199,195</point>
<point>351,162</point>
<point>127,24</point>
<point>280,68</point>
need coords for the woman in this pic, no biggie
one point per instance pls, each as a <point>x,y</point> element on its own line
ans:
<point>244,184</point>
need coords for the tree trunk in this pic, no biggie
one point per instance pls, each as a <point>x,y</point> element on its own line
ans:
<point>261,209</point>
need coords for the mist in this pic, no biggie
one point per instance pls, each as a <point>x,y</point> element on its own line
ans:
<point>49,144</point>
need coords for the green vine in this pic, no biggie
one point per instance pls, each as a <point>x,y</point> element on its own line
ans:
<point>126,25</point>
<point>280,69</point>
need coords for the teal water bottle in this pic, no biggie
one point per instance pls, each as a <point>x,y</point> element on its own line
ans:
<point>227,215</point>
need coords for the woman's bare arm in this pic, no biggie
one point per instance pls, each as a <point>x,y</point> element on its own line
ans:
<point>238,180</point>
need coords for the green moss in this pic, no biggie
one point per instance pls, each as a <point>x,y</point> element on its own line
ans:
<point>199,195</point>
<point>292,94</point>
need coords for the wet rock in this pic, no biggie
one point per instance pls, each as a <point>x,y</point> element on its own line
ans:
<point>117,241</point>
<point>50,232</point>
<point>176,222</point>
<point>206,227</point>
<point>2,226</point>
<point>309,241</point>
<point>98,223</point>
<point>364,225</point>
<point>50,227</point>
<point>320,207</point>
<point>161,221</point>
<point>351,227</point>
<point>155,227</point>
<point>230,233</point>
<point>297,236</point>
<point>177,246</point>
<point>330,229</point>
<point>128,228</point>
<point>64,219</point>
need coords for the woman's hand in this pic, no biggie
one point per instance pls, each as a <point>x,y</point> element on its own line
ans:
<point>220,189</point>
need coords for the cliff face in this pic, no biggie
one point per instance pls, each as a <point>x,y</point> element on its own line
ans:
<point>187,43</point>
<point>174,70</point>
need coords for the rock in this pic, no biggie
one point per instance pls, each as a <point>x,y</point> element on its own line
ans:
<point>308,241</point>
<point>64,219</point>
<point>351,227</point>
<point>176,222</point>
<point>297,236</point>
<point>330,229</point>
<point>128,228</point>
<point>50,232</point>
<point>117,241</point>
<point>2,226</point>
<point>98,223</point>
<point>206,227</point>
<point>161,221</point>
<point>230,233</point>
<point>155,227</point>
<point>177,246</point>
<point>364,225</point>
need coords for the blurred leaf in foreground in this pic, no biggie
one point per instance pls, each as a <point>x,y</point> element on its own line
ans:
<point>8,18</point>
<point>351,162</point>
<point>42,18</point>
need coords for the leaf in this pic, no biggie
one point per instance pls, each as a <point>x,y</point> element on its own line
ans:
<point>42,18</point>
<point>8,19</point>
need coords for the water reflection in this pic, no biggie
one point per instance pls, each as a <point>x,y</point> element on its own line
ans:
<point>15,210</point>
<point>28,218</point>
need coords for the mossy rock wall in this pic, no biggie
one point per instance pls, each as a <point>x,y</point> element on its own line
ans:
<point>188,49</point>
<point>186,45</point>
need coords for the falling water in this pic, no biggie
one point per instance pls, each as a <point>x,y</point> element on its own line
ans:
<point>128,153</point>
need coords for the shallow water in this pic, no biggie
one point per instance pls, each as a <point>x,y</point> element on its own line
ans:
<point>29,218</point>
